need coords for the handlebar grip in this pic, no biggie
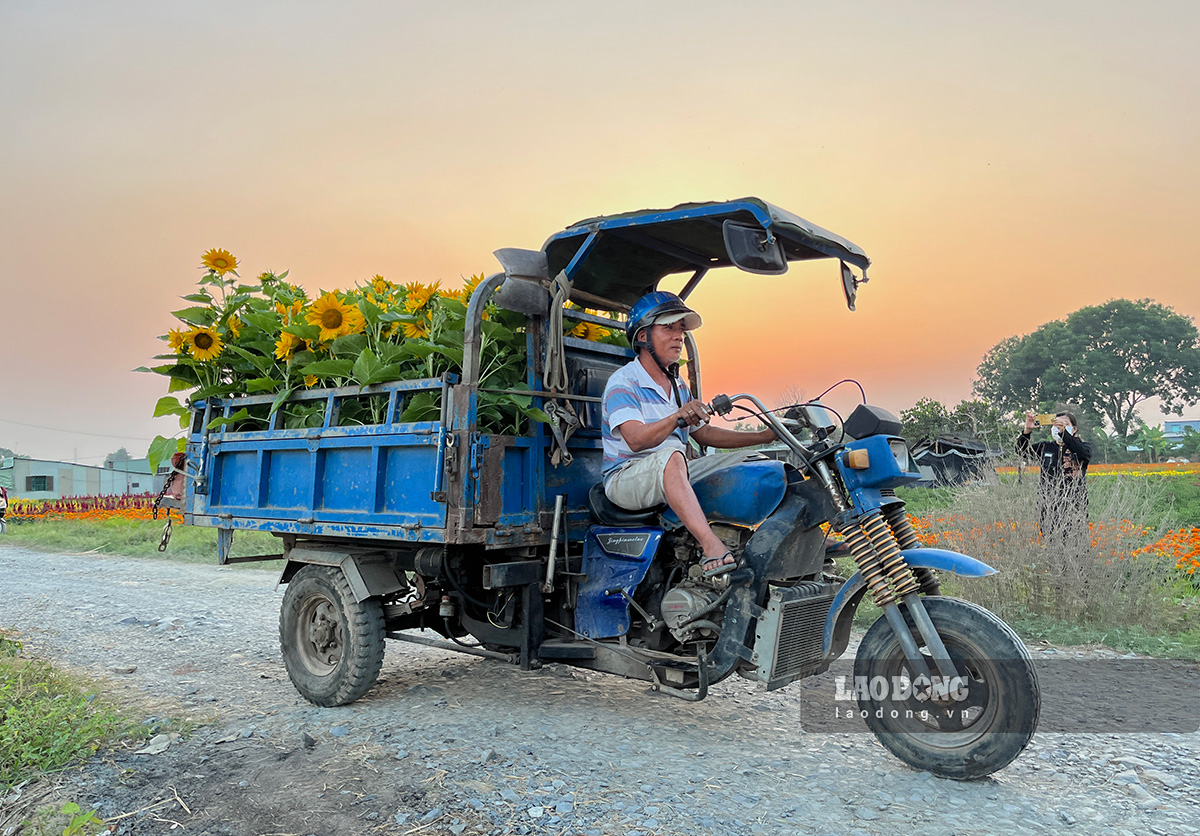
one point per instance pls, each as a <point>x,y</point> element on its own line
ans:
<point>680,423</point>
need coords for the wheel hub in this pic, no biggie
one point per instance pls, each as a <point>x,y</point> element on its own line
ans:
<point>323,646</point>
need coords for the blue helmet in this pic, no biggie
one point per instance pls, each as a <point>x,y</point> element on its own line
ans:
<point>662,308</point>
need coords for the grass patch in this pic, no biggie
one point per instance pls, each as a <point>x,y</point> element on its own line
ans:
<point>1095,589</point>
<point>52,719</point>
<point>130,538</point>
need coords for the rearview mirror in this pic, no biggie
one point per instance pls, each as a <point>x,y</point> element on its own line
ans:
<point>849,285</point>
<point>754,249</point>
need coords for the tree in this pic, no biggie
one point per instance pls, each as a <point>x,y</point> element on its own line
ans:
<point>1189,447</point>
<point>1152,442</point>
<point>929,418</point>
<point>981,419</point>
<point>120,456</point>
<point>1107,358</point>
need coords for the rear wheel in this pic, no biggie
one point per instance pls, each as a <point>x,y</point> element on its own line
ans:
<point>983,726</point>
<point>332,645</point>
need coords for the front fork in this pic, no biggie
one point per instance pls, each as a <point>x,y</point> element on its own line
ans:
<point>875,540</point>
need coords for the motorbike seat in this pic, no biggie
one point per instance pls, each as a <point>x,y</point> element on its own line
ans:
<point>606,512</point>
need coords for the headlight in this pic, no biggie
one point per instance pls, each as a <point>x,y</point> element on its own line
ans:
<point>900,451</point>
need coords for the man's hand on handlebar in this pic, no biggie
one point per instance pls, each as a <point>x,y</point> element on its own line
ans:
<point>692,414</point>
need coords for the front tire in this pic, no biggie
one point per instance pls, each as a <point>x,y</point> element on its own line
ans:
<point>332,645</point>
<point>973,736</point>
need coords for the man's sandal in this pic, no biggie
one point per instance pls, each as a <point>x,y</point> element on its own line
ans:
<point>724,563</point>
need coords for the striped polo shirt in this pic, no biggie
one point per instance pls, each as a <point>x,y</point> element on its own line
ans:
<point>632,395</point>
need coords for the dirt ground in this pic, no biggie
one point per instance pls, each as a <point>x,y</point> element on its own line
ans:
<point>451,744</point>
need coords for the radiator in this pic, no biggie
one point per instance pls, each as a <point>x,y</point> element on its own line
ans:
<point>787,638</point>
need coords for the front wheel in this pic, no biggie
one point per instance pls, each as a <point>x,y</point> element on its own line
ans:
<point>977,730</point>
<point>332,644</point>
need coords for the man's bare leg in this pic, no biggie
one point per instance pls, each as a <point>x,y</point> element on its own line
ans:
<point>681,497</point>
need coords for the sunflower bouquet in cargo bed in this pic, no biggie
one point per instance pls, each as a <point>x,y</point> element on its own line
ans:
<point>270,337</point>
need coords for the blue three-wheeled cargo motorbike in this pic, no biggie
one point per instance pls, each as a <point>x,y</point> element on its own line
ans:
<point>505,545</point>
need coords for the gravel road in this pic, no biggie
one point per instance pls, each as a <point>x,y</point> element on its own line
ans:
<point>448,743</point>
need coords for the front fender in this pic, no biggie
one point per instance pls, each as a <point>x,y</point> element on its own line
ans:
<point>847,598</point>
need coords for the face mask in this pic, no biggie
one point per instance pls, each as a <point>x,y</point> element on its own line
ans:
<point>1056,434</point>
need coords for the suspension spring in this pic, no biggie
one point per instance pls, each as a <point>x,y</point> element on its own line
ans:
<point>906,536</point>
<point>892,564</point>
<point>869,564</point>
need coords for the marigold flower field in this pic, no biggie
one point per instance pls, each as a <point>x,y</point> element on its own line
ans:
<point>133,508</point>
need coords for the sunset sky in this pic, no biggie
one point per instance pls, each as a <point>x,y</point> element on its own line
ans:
<point>1003,164</point>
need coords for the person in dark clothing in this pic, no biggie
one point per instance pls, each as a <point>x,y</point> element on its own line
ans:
<point>1062,488</point>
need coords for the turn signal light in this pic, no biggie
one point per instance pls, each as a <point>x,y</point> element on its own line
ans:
<point>857,459</point>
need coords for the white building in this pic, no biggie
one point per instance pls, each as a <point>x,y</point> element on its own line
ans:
<point>28,478</point>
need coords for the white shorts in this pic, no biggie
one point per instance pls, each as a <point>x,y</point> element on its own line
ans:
<point>638,484</point>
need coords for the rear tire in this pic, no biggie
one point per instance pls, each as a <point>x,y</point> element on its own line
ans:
<point>1002,696</point>
<point>332,645</point>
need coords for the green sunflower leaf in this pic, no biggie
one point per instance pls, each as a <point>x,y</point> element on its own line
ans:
<point>196,316</point>
<point>258,361</point>
<point>423,406</point>
<point>536,414</point>
<point>304,331</point>
<point>452,337</point>
<point>350,345</point>
<point>279,400</point>
<point>394,316</point>
<point>496,331</point>
<point>329,368</point>
<point>454,306</point>
<point>202,298</point>
<point>299,360</point>
<point>450,352</point>
<point>169,406</point>
<point>241,415</point>
<point>366,368</point>
<point>263,384</point>
<point>220,390</point>
<point>370,311</point>
<point>162,448</point>
<point>263,321</point>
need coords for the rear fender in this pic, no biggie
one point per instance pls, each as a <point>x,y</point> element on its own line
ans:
<point>369,575</point>
<point>841,611</point>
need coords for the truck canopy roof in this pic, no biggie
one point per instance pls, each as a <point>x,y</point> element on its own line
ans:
<point>614,259</point>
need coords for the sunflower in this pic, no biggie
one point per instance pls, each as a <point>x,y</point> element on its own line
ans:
<point>220,262</point>
<point>334,317</point>
<point>288,345</point>
<point>177,340</point>
<point>235,326</point>
<point>203,343</point>
<point>287,313</point>
<point>469,286</point>
<point>452,294</point>
<point>310,380</point>
<point>416,329</point>
<point>381,286</point>
<point>418,295</point>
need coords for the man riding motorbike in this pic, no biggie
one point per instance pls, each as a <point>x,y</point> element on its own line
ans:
<point>647,417</point>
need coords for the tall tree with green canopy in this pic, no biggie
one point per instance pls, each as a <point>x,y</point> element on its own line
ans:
<point>1109,358</point>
